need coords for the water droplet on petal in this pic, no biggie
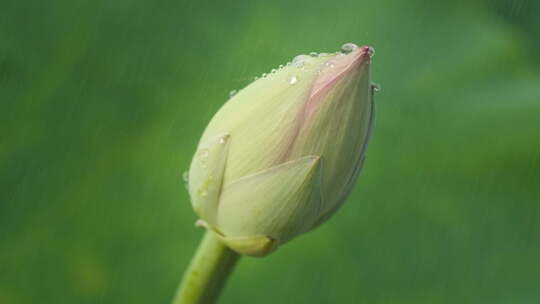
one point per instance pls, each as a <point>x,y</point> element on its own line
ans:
<point>264,75</point>
<point>203,157</point>
<point>371,51</point>
<point>293,79</point>
<point>223,139</point>
<point>299,60</point>
<point>255,78</point>
<point>273,71</point>
<point>281,66</point>
<point>232,93</point>
<point>313,54</point>
<point>348,47</point>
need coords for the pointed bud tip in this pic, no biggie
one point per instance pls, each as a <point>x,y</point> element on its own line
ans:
<point>358,56</point>
<point>341,66</point>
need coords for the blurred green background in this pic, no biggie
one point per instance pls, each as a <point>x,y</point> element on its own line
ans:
<point>103,102</point>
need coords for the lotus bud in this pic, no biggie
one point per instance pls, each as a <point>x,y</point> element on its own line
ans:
<point>282,154</point>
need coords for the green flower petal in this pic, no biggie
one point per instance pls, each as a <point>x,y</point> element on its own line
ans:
<point>206,176</point>
<point>280,202</point>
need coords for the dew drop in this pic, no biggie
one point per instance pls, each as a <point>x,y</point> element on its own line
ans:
<point>232,93</point>
<point>273,71</point>
<point>203,157</point>
<point>371,51</point>
<point>329,64</point>
<point>203,192</point>
<point>313,54</point>
<point>324,55</point>
<point>299,60</point>
<point>348,47</point>
<point>255,78</point>
<point>375,87</point>
<point>281,66</point>
<point>293,79</point>
<point>264,75</point>
<point>185,178</point>
<point>223,140</point>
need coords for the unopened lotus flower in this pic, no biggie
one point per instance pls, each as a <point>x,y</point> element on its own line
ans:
<point>282,154</point>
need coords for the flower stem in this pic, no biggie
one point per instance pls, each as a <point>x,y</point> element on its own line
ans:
<point>207,272</point>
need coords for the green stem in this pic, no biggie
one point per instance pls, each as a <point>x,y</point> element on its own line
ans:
<point>207,272</point>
